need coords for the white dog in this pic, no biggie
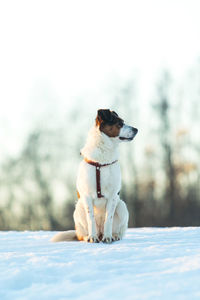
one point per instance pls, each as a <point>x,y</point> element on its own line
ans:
<point>100,214</point>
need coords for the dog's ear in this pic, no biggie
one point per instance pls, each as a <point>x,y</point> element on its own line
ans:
<point>103,115</point>
<point>114,113</point>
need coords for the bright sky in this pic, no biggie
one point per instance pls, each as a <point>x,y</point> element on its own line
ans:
<point>78,47</point>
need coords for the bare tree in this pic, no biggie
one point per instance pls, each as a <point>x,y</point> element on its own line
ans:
<point>162,108</point>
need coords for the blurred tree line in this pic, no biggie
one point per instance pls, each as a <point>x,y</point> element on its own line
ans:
<point>160,168</point>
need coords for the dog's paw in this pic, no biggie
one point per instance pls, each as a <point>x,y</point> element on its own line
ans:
<point>107,239</point>
<point>92,239</point>
<point>115,237</point>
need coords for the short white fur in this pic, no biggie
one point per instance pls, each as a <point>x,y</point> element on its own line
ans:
<point>103,218</point>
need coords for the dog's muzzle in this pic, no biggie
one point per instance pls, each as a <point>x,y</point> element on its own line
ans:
<point>127,133</point>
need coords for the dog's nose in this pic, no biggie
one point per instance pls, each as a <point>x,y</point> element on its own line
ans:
<point>135,130</point>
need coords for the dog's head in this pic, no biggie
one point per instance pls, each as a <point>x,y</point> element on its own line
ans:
<point>113,126</point>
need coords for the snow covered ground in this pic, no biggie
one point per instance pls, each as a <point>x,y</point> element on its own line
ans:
<point>150,263</point>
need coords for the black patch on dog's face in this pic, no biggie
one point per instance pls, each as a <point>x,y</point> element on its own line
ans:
<point>108,117</point>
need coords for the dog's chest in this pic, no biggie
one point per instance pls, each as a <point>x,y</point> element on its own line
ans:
<point>110,180</point>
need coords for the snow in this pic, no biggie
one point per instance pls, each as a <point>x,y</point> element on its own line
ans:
<point>149,263</point>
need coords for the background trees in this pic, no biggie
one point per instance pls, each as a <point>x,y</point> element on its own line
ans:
<point>160,169</point>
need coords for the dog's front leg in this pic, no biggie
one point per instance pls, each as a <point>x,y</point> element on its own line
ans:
<point>110,210</point>
<point>92,235</point>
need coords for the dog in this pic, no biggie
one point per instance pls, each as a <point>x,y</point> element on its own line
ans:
<point>100,215</point>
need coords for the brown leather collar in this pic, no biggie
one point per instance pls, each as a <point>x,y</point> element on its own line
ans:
<point>98,174</point>
<point>96,164</point>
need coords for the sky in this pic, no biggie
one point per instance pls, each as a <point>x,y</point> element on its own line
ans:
<point>53,52</point>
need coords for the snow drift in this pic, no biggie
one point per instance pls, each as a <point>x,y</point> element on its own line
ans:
<point>149,263</point>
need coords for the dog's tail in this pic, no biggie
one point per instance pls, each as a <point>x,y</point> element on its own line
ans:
<point>65,236</point>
